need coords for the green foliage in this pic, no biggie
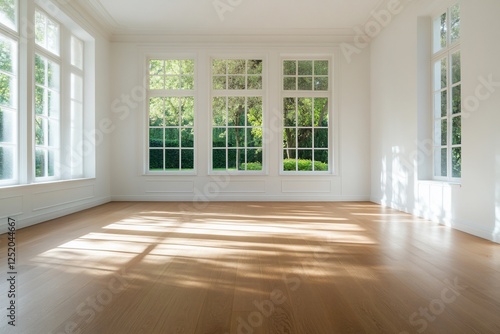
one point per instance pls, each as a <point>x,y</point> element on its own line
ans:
<point>303,165</point>
<point>251,166</point>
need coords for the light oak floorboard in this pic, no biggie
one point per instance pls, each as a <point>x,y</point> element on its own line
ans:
<point>251,268</point>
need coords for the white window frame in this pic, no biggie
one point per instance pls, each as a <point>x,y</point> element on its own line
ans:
<point>262,93</point>
<point>12,33</point>
<point>179,93</point>
<point>25,169</point>
<point>332,158</point>
<point>55,57</point>
<point>447,53</point>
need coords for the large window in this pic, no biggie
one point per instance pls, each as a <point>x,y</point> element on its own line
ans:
<point>171,115</point>
<point>306,92</point>
<point>42,108</point>
<point>447,106</point>
<point>237,115</point>
<point>8,91</point>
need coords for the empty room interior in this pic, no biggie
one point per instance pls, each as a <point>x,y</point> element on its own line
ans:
<point>247,167</point>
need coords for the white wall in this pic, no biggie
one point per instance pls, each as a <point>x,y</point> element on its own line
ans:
<point>352,134</point>
<point>35,203</point>
<point>397,148</point>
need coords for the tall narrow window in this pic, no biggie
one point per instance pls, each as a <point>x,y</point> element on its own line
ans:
<point>237,111</point>
<point>306,115</point>
<point>47,97</point>
<point>8,92</point>
<point>447,106</point>
<point>171,115</point>
<point>76,140</point>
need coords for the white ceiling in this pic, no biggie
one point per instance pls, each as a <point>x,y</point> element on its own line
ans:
<point>242,17</point>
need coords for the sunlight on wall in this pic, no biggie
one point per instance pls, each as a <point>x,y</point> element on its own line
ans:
<point>394,179</point>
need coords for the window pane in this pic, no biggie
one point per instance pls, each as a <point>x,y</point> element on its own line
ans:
<point>233,158</point>
<point>321,112</point>
<point>7,90</point>
<point>219,159</point>
<point>219,82</point>
<point>455,68</point>
<point>305,111</point>
<point>51,163</point>
<point>457,99</point>
<point>289,111</point>
<point>254,82</point>
<point>8,15</point>
<point>187,111</point>
<point>305,160</point>
<point>321,160</point>
<point>172,160</point>
<point>457,130</point>
<point>187,137</point>
<point>236,82</point>
<point>305,83</point>
<point>289,138</point>
<point>305,138</point>
<point>172,105</point>
<point>441,104</point>
<point>173,67</point>
<point>156,137</point>
<point>321,67</point>
<point>236,66</point>
<point>254,137</point>
<point>254,66</point>
<point>254,160</point>
<point>172,137</point>
<point>47,33</point>
<point>254,111</point>
<point>219,66</point>
<point>456,162</point>
<point>440,162</point>
<point>440,74</point>
<point>40,126</point>
<point>7,126</point>
<point>219,111</point>
<point>305,67</point>
<point>236,111</point>
<point>320,83</point>
<point>156,111</point>
<point>156,160</point>
<point>290,83</point>
<point>6,163</point>
<point>76,87</point>
<point>289,67</point>
<point>455,23</point>
<point>187,67</point>
<point>40,163</point>
<point>76,52</point>
<point>219,137</point>
<point>187,159</point>
<point>8,58</point>
<point>321,138</point>
<point>440,27</point>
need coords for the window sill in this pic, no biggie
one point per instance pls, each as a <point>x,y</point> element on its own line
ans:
<point>442,183</point>
<point>45,183</point>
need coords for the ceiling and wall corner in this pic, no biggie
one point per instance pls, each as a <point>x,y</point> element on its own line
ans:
<point>151,20</point>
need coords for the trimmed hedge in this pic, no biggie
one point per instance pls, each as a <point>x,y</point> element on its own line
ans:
<point>303,165</point>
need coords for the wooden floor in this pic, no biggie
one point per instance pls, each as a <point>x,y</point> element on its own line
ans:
<point>251,268</point>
